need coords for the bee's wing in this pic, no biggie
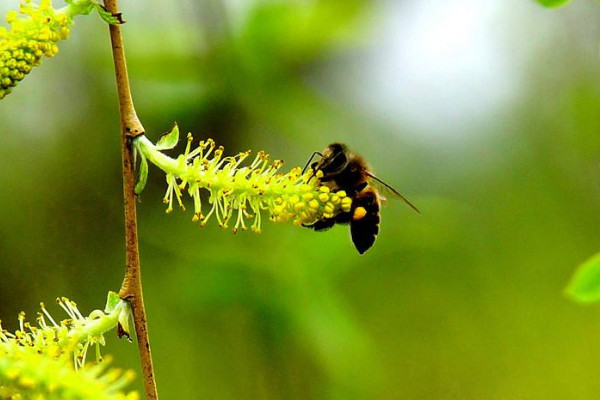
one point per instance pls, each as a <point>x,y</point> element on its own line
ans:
<point>389,192</point>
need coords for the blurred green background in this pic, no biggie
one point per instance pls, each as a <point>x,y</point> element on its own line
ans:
<point>485,115</point>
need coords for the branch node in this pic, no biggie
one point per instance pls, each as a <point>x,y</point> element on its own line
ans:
<point>134,132</point>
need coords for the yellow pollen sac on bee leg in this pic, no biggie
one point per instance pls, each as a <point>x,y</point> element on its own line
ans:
<point>359,213</point>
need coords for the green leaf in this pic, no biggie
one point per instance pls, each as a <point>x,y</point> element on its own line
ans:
<point>80,7</point>
<point>585,283</point>
<point>142,176</point>
<point>553,3</point>
<point>111,302</point>
<point>107,16</point>
<point>168,141</point>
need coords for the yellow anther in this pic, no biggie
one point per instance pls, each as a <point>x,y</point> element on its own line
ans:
<point>314,204</point>
<point>346,204</point>
<point>27,382</point>
<point>12,373</point>
<point>307,196</point>
<point>11,16</point>
<point>294,199</point>
<point>299,206</point>
<point>324,189</point>
<point>323,197</point>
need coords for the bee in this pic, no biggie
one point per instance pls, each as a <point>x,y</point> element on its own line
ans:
<point>347,171</point>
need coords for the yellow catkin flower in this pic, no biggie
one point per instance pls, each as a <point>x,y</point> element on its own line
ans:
<point>47,361</point>
<point>238,194</point>
<point>34,31</point>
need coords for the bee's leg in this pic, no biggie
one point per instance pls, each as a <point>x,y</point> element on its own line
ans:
<point>360,187</point>
<point>343,218</point>
<point>322,224</point>
<point>316,153</point>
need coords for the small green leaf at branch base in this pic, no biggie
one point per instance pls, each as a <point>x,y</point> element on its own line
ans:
<point>107,16</point>
<point>80,7</point>
<point>169,140</point>
<point>143,175</point>
<point>553,3</point>
<point>585,283</point>
<point>112,300</point>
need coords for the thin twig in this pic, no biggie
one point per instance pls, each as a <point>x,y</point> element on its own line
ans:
<point>131,126</point>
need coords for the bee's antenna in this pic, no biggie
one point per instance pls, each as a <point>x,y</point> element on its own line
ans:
<point>316,153</point>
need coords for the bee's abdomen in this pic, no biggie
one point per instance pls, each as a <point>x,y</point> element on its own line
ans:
<point>364,226</point>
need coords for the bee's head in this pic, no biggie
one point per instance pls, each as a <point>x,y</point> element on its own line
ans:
<point>334,160</point>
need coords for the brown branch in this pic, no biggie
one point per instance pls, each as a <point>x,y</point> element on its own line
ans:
<point>131,289</point>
